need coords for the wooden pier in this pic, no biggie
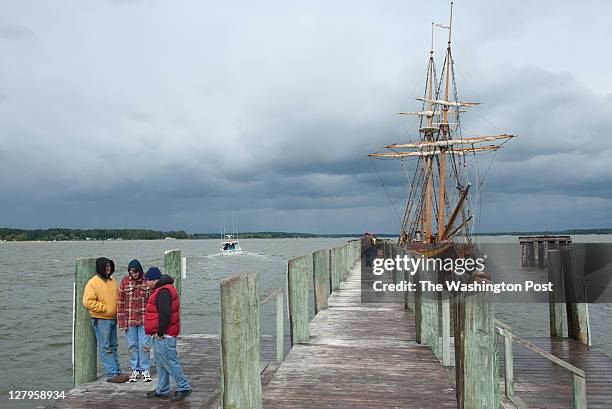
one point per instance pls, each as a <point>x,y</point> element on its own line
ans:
<point>408,350</point>
<point>361,356</point>
<point>534,249</point>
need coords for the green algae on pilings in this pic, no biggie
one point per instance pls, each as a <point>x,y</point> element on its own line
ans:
<point>240,384</point>
<point>84,357</point>
<point>297,292</point>
<point>320,268</point>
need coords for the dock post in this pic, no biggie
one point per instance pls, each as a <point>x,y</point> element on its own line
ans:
<point>579,396</point>
<point>528,253</point>
<point>172,267</point>
<point>344,259</point>
<point>446,338</point>
<point>392,254</point>
<point>240,383</point>
<point>477,371</point>
<point>334,272</point>
<point>84,357</point>
<point>575,295</point>
<point>428,317</point>
<point>297,293</point>
<point>541,252</point>
<point>555,298</point>
<point>508,367</point>
<point>418,302</point>
<point>280,328</point>
<point>320,273</point>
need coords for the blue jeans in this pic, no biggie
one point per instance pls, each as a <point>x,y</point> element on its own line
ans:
<point>136,340</point>
<point>106,338</point>
<point>167,364</point>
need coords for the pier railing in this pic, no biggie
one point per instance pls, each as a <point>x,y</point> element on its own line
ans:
<point>432,310</point>
<point>329,269</point>
<point>578,376</point>
<point>278,295</point>
<point>469,317</point>
<point>240,382</point>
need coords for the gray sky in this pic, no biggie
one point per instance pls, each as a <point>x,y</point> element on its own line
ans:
<point>169,115</point>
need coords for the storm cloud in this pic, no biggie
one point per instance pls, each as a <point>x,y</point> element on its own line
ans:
<point>170,115</point>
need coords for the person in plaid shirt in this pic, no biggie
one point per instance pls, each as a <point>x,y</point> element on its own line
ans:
<point>131,303</point>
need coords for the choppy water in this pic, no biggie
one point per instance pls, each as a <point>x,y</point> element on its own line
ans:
<point>36,298</point>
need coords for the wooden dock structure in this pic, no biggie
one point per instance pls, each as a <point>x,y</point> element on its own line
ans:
<point>406,350</point>
<point>361,356</point>
<point>534,249</point>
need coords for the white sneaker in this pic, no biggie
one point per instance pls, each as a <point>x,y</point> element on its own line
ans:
<point>134,376</point>
<point>146,375</point>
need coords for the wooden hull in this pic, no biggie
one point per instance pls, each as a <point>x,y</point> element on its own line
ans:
<point>447,249</point>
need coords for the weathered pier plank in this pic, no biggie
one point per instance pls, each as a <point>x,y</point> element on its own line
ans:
<point>541,384</point>
<point>360,356</point>
<point>199,356</point>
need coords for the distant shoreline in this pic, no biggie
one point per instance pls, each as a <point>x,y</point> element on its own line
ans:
<point>38,235</point>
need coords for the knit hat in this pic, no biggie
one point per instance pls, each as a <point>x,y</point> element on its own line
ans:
<point>153,273</point>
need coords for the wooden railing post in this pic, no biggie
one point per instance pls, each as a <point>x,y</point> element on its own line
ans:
<point>172,267</point>
<point>84,357</point>
<point>508,367</point>
<point>320,274</point>
<point>555,298</point>
<point>446,338</point>
<point>240,384</point>
<point>579,398</point>
<point>575,295</point>
<point>418,303</point>
<point>280,329</point>
<point>335,268</point>
<point>297,294</point>
<point>477,369</point>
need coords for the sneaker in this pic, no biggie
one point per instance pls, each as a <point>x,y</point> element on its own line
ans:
<point>180,395</point>
<point>119,378</point>
<point>146,375</point>
<point>134,376</point>
<point>153,395</point>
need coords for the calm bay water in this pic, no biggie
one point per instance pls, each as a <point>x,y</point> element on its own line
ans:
<point>36,298</point>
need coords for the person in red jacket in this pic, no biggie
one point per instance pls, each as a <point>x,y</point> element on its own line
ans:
<point>163,324</point>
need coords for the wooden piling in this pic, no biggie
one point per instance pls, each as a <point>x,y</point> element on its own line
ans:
<point>297,293</point>
<point>476,355</point>
<point>428,316</point>
<point>320,273</point>
<point>280,329</point>
<point>555,298</point>
<point>240,360</point>
<point>172,267</point>
<point>84,354</point>
<point>334,269</point>
<point>528,254</point>
<point>418,317</point>
<point>575,295</point>
<point>541,252</point>
<point>409,296</point>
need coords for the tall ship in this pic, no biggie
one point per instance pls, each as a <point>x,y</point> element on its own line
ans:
<point>439,213</point>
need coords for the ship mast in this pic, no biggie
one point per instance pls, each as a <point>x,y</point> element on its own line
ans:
<point>444,128</point>
<point>435,143</point>
<point>428,159</point>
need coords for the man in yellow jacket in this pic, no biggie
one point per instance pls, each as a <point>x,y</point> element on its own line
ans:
<point>100,298</point>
